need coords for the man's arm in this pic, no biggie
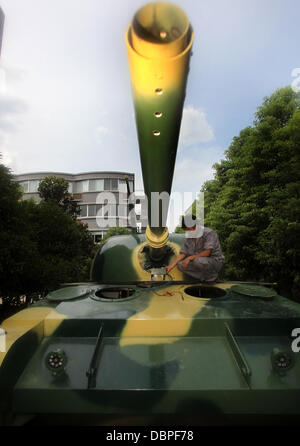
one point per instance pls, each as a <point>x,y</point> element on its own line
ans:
<point>173,264</point>
<point>205,253</point>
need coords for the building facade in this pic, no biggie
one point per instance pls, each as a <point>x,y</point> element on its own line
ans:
<point>89,189</point>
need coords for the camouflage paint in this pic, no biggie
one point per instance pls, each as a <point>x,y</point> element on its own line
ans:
<point>120,260</point>
<point>25,320</point>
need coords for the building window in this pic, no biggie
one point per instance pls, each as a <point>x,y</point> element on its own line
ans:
<point>82,186</point>
<point>85,186</point>
<point>107,210</point>
<point>70,188</point>
<point>33,186</point>
<point>25,186</point>
<point>111,184</point>
<point>114,184</point>
<point>106,184</point>
<point>90,186</point>
<point>92,210</point>
<point>83,212</point>
<point>96,185</point>
<point>99,210</point>
<point>122,186</point>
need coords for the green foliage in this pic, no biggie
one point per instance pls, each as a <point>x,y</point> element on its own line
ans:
<point>56,189</point>
<point>9,197</point>
<point>41,244</point>
<point>117,230</point>
<point>65,246</point>
<point>179,230</point>
<point>253,202</point>
<point>17,248</point>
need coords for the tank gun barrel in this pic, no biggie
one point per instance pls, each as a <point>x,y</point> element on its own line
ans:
<point>159,42</point>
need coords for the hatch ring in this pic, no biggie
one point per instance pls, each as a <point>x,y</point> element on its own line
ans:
<point>205,292</point>
<point>114,294</point>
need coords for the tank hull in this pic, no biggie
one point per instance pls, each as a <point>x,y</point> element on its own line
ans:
<point>163,351</point>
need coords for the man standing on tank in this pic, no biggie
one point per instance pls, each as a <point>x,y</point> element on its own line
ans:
<point>201,255</point>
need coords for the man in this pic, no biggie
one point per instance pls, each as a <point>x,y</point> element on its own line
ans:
<point>201,255</point>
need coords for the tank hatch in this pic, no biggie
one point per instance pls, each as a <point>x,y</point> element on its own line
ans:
<point>254,291</point>
<point>68,293</point>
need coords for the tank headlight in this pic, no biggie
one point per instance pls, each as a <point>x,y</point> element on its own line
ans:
<point>281,361</point>
<point>56,362</point>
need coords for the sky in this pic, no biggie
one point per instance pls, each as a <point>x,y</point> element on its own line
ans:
<point>65,92</point>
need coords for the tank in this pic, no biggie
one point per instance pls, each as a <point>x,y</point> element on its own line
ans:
<point>134,344</point>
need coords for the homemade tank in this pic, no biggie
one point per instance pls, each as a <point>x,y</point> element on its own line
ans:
<point>135,342</point>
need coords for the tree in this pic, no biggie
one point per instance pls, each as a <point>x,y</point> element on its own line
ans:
<point>179,230</point>
<point>117,230</point>
<point>253,202</point>
<point>16,245</point>
<point>56,189</point>
<point>65,246</point>
<point>41,245</point>
<point>9,197</point>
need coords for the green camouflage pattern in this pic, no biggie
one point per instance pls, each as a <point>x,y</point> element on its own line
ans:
<point>164,350</point>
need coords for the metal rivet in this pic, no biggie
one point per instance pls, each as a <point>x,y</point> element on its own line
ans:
<point>156,132</point>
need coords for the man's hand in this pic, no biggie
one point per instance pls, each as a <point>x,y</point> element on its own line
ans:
<point>186,262</point>
<point>169,268</point>
<point>173,264</point>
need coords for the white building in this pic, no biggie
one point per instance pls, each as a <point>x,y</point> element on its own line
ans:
<point>85,188</point>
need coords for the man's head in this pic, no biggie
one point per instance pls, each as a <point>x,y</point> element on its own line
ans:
<point>189,222</point>
<point>191,226</point>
